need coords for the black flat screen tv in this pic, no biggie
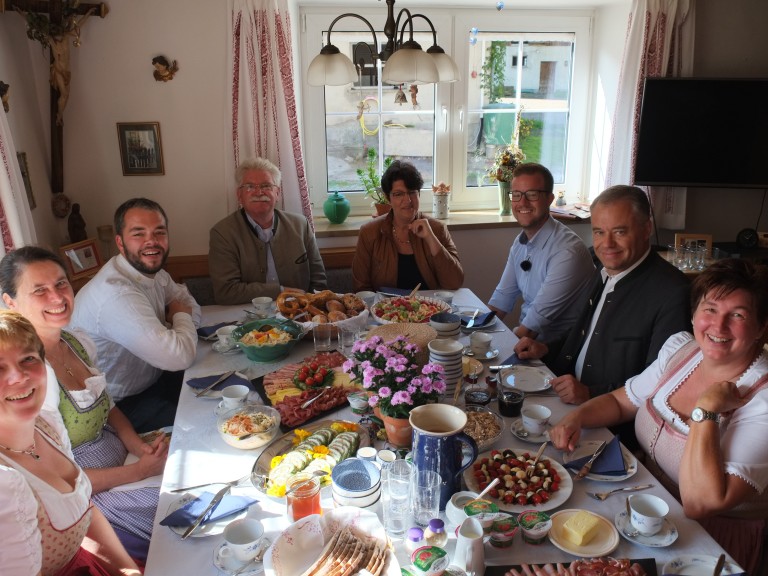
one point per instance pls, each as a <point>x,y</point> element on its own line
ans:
<point>703,132</point>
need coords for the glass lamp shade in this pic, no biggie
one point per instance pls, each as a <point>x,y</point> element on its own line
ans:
<point>446,67</point>
<point>410,66</point>
<point>331,70</point>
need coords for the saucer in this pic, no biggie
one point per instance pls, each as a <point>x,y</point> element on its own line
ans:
<point>519,433</point>
<point>217,347</point>
<point>490,355</point>
<point>221,409</point>
<point>258,567</point>
<point>663,538</point>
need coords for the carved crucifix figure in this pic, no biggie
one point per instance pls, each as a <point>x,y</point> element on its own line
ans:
<point>56,23</point>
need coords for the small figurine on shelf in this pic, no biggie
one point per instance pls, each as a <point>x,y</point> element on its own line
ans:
<point>76,225</point>
<point>560,199</point>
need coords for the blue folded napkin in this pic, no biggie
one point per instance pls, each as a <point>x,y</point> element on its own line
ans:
<point>609,463</point>
<point>205,381</point>
<point>396,291</point>
<point>187,514</point>
<point>206,331</point>
<point>512,361</point>
<point>480,320</point>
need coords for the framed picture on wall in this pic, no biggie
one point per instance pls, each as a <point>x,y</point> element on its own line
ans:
<point>81,258</point>
<point>141,151</point>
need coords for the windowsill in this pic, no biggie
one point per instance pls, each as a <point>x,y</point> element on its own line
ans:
<point>461,220</point>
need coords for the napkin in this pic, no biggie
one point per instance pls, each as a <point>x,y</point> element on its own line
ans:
<point>207,331</point>
<point>609,463</point>
<point>512,360</point>
<point>187,514</point>
<point>480,320</point>
<point>395,291</point>
<point>205,381</point>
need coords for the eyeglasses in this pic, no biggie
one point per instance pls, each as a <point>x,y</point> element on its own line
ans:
<point>400,195</point>
<point>531,195</point>
<point>260,187</point>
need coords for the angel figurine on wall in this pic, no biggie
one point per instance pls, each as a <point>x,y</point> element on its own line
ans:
<point>5,95</point>
<point>164,70</point>
<point>414,90</point>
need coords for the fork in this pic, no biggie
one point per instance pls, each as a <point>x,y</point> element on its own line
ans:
<point>230,483</point>
<point>603,495</point>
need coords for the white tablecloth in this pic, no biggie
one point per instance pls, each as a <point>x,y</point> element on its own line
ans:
<point>198,455</point>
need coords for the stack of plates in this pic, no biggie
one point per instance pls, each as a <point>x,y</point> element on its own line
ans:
<point>447,353</point>
<point>446,325</point>
<point>356,482</point>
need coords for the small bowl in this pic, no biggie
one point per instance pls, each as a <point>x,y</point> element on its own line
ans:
<point>354,478</point>
<point>358,501</point>
<point>358,401</point>
<point>268,352</point>
<point>454,509</point>
<point>444,347</point>
<point>483,445</point>
<point>445,321</point>
<point>259,438</point>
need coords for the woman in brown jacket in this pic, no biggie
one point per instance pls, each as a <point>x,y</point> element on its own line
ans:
<point>404,248</point>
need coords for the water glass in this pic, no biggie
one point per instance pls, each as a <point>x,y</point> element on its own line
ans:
<point>425,496</point>
<point>347,338</point>
<point>395,497</point>
<point>322,335</point>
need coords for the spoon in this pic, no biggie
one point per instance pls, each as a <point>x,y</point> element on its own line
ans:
<point>632,533</point>
<point>487,488</point>
<point>315,474</point>
<point>413,292</point>
<point>532,469</point>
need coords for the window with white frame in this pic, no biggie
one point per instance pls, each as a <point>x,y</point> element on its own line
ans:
<point>451,131</point>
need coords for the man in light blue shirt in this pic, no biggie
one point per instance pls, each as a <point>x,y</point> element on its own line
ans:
<point>549,266</point>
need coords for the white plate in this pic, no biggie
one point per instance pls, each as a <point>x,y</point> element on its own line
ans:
<point>299,545</point>
<point>589,447</point>
<point>518,432</point>
<point>557,499</point>
<point>699,564</point>
<point>528,378</point>
<point>283,444</point>
<point>469,312</point>
<point>258,567</point>
<point>216,394</point>
<point>605,541</point>
<point>666,536</point>
<point>207,529</point>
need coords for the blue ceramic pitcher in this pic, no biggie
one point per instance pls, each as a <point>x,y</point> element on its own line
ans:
<point>437,445</point>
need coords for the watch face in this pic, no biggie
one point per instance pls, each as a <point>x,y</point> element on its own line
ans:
<point>697,415</point>
<point>747,238</point>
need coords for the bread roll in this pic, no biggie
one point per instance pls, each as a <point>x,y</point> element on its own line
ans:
<point>334,306</point>
<point>336,316</point>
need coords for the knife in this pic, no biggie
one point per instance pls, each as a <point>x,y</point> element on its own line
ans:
<point>472,320</point>
<point>586,468</point>
<point>219,381</point>
<point>209,509</point>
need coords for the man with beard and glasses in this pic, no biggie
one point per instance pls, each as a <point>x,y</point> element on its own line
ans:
<point>143,323</point>
<point>549,266</point>
<point>260,250</point>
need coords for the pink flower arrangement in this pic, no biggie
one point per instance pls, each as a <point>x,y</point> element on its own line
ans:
<point>390,371</point>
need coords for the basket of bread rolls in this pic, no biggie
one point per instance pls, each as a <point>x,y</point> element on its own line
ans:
<point>326,307</point>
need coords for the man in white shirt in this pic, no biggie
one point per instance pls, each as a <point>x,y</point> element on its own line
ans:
<point>143,323</point>
<point>549,266</point>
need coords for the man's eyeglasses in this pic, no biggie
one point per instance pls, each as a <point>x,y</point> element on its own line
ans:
<point>399,195</point>
<point>260,187</point>
<point>531,195</point>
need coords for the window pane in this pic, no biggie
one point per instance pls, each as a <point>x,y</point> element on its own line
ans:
<point>513,72</point>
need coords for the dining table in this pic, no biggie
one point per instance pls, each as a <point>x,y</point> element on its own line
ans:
<point>198,454</point>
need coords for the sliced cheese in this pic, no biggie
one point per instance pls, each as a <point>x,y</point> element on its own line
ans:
<point>581,528</point>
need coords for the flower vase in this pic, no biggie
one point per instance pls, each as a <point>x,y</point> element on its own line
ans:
<point>505,204</point>
<point>399,431</point>
<point>440,206</point>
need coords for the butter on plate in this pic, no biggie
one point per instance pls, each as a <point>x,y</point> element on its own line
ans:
<point>581,528</point>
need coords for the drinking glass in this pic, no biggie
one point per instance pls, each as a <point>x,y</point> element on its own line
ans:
<point>347,339</point>
<point>425,496</point>
<point>395,497</point>
<point>322,336</point>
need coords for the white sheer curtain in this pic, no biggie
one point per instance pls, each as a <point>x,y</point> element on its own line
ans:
<point>264,110</point>
<point>16,226</point>
<point>659,43</point>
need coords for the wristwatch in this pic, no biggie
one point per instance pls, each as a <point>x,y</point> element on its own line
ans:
<point>699,415</point>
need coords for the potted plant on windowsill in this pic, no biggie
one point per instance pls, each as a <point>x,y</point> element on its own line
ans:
<point>371,181</point>
<point>505,161</point>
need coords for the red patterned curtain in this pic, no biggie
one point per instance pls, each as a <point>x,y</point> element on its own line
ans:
<point>659,43</point>
<point>264,114</point>
<point>16,227</point>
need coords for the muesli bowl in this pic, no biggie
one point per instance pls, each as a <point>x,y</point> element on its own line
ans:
<point>249,426</point>
<point>485,429</point>
<point>248,338</point>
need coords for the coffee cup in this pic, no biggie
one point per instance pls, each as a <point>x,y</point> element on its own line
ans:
<point>480,343</point>
<point>647,513</point>
<point>234,396</point>
<point>224,334</point>
<point>445,296</point>
<point>535,418</point>
<point>367,453</point>
<point>385,458</point>
<point>263,305</point>
<point>241,540</point>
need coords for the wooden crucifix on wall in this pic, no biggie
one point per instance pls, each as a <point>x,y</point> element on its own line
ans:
<point>56,23</point>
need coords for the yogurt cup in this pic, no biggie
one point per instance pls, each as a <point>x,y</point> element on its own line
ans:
<point>486,512</point>
<point>430,561</point>
<point>535,526</point>
<point>503,531</point>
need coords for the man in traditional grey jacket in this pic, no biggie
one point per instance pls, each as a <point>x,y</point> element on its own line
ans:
<point>259,250</point>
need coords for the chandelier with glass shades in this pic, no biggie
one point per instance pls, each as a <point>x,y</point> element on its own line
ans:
<point>404,62</point>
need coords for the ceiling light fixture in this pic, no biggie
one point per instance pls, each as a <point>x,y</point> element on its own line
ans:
<point>404,62</point>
